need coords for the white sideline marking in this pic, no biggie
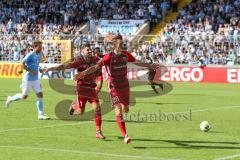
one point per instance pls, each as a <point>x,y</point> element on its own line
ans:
<point>228,157</point>
<point>86,152</point>
<point>50,126</point>
<point>72,124</point>
<point>213,109</point>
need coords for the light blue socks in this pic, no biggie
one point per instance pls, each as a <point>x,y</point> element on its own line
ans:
<point>40,105</point>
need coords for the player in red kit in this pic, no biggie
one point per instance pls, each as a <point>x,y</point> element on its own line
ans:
<point>87,89</point>
<point>116,66</point>
<point>97,53</point>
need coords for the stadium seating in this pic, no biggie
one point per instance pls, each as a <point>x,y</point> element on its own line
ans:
<point>210,35</point>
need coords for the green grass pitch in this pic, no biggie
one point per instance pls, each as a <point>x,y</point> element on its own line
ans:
<point>22,136</point>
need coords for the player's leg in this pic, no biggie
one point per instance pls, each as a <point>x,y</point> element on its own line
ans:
<point>25,87</point>
<point>125,109</point>
<point>39,103</point>
<point>81,105</point>
<point>74,108</point>
<point>10,99</point>
<point>77,107</point>
<point>120,121</point>
<point>98,119</point>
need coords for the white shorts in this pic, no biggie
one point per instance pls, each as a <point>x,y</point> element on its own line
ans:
<point>26,87</point>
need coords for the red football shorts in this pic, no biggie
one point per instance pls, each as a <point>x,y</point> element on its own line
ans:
<point>85,94</point>
<point>119,95</point>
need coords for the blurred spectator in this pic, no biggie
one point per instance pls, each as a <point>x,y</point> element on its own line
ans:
<point>206,32</point>
<point>67,16</point>
<point>62,19</point>
<point>175,5</point>
<point>164,6</point>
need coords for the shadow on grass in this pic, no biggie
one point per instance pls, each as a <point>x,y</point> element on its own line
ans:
<point>162,103</point>
<point>114,121</point>
<point>191,144</point>
<point>187,94</point>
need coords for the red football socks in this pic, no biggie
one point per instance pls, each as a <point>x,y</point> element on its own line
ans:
<point>98,121</point>
<point>121,124</point>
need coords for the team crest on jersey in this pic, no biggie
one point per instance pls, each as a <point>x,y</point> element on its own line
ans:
<point>115,99</point>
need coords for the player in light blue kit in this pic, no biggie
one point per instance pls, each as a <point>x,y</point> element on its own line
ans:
<point>30,79</point>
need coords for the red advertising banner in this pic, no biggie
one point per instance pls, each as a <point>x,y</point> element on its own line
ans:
<point>200,74</point>
<point>167,73</point>
<point>186,74</point>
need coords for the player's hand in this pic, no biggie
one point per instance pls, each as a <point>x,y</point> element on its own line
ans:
<point>79,75</point>
<point>33,73</point>
<point>45,70</point>
<point>97,90</point>
<point>42,70</point>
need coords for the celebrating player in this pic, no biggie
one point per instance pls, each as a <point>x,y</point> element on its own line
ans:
<point>116,66</point>
<point>87,89</point>
<point>97,53</point>
<point>30,80</point>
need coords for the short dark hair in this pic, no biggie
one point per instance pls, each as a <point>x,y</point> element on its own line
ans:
<point>118,36</point>
<point>96,48</point>
<point>36,43</point>
<point>87,45</point>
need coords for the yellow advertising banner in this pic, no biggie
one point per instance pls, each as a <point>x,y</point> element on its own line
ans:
<point>10,70</point>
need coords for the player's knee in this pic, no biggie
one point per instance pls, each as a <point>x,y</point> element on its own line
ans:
<point>82,110</point>
<point>24,97</point>
<point>97,110</point>
<point>125,109</point>
<point>81,113</point>
<point>118,110</point>
<point>40,95</point>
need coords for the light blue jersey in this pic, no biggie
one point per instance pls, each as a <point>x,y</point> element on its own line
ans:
<point>32,61</point>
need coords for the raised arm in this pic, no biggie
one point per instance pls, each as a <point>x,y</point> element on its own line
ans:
<point>141,64</point>
<point>75,64</point>
<point>99,80</point>
<point>88,71</point>
<point>146,65</point>
<point>57,68</point>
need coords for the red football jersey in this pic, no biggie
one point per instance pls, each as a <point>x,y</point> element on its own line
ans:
<point>86,86</point>
<point>116,66</point>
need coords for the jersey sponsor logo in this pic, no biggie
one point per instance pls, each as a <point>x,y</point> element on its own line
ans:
<point>115,99</point>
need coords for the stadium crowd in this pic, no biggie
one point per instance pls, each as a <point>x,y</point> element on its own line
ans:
<point>65,18</point>
<point>206,31</point>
